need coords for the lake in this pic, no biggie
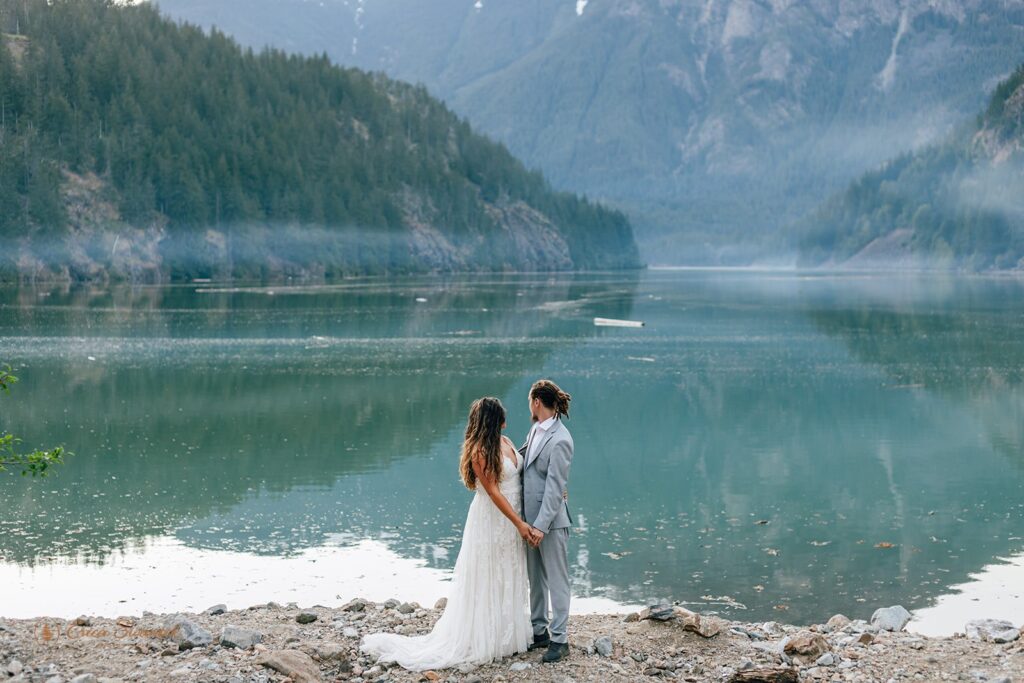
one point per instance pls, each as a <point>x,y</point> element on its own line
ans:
<point>770,446</point>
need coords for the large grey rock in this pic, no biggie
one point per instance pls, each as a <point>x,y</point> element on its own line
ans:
<point>187,633</point>
<point>604,646</point>
<point>242,638</point>
<point>992,630</point>
<point>297,665</point>
<point>890,618</point>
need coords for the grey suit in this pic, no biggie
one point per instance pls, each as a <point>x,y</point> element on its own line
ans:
<point>545,476</point>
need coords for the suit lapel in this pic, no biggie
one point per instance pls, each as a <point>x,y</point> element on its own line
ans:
<point>543,442</point>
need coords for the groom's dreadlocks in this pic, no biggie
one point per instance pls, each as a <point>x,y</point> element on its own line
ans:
<point>551,396</point>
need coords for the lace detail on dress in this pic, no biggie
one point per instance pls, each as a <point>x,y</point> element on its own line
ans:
<point>487,615</point>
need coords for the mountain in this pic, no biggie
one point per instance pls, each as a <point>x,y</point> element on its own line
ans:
<point>713,124</point>
<point>956,204</point>
<point>134,145</point>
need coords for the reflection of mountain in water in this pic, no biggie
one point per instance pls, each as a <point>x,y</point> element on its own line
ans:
<point>746,413</point>
<point>201,405</point>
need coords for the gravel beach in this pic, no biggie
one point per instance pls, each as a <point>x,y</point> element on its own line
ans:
<point>272,642</point>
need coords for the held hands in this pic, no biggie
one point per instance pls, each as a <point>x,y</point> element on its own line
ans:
<point>530,534</point>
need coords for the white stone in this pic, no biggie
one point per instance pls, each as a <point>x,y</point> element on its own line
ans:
<point>890,618</point>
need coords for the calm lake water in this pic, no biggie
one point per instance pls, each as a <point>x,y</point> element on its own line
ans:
<point>754,450</point>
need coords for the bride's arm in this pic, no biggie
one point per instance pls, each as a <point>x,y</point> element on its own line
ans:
<point>491,487</point>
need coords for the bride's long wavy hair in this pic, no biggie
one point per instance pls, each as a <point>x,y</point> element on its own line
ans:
<point>483,438</point>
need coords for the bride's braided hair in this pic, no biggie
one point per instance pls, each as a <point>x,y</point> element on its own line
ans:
<point>483,440</point>
<point>551,396</point>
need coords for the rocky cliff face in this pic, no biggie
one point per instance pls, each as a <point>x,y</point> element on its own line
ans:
<point>711,122</point>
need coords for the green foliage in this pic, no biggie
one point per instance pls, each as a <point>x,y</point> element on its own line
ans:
<point>36,463</point>
<point>960,208</point>
<point>188,126</point>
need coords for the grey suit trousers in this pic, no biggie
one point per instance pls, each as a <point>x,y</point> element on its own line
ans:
<point>548,567</point>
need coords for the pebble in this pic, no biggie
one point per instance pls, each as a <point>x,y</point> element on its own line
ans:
<point>827,659</point>
<point>219,608</point>
<point>188,634</point>
<point>349,632</point>
<point>406,608</point>
<point>520,666</point>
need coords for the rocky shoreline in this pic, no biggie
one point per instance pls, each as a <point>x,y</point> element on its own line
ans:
<point>280,643</point>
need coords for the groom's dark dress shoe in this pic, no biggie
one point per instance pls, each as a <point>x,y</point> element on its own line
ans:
<point>540,641</point>
<point>556,652</point>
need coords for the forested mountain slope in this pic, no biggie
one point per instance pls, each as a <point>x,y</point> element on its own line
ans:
<point>956,204</point>
<point>130,142</point>
<point>714,124</point>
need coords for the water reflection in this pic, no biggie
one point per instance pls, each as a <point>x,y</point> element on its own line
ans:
<point>768,446</point>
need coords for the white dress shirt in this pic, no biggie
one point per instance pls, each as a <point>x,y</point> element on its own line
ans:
<point>536,435</point>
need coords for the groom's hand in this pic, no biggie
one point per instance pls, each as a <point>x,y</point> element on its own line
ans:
<point>537,536</point>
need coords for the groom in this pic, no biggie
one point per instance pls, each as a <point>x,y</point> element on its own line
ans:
<point>548,453</point>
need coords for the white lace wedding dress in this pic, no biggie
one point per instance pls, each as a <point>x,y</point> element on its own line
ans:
<point>488,614</point>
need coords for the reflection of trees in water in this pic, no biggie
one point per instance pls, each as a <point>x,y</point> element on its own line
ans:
<point>219,396</point>
<point>973,358</point>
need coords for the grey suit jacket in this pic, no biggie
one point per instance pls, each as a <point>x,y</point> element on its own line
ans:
<point>545,477</point>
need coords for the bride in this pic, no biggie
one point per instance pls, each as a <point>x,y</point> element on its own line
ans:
<point>487,615</point>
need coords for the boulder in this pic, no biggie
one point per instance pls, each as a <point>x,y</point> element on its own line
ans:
<point>187,633</point>
<point>806,644</point>
<point>890,618</point>
<point>604,646</point>
<point>242,638</point>
<point>992,630</point>
<point>297,665</point>
<point>305,617</point>
<point>837,623</point>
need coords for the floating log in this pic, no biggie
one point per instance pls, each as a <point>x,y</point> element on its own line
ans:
<point>612,322</point>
